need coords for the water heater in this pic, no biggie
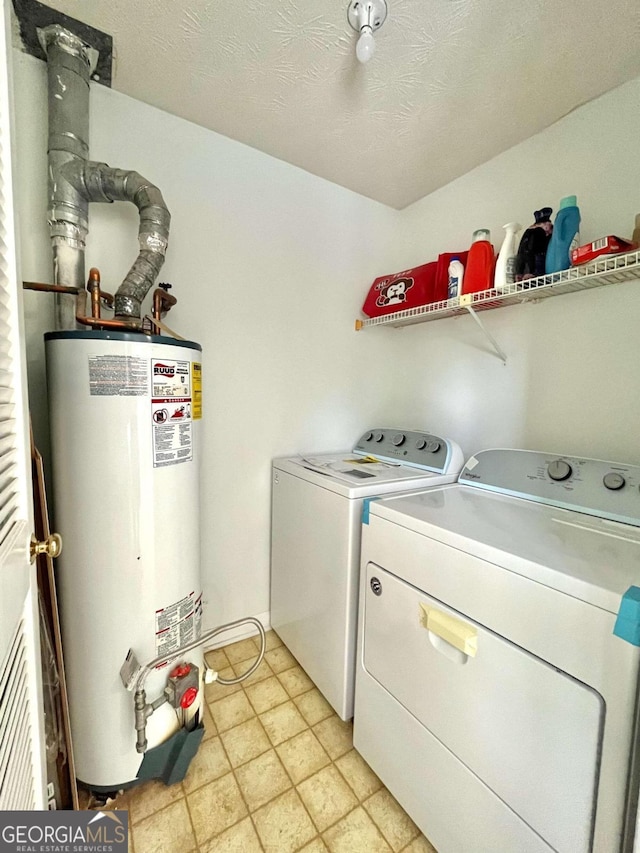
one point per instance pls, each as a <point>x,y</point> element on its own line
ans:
<point>125,413</point>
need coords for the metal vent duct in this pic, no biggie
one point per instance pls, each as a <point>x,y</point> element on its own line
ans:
<point>75,181</point>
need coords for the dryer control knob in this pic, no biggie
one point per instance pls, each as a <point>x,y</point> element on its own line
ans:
<point>368,436</point>
<point>421,444</point>
<point>559,470</point>
<point>379,436</point>
<point>434,446</point>
<point>398,439</point>
<point>613,481</point>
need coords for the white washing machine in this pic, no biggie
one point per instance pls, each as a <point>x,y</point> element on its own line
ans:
<point>317,509</point>
<point>493,697</point>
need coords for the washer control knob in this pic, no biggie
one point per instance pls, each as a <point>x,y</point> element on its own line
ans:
<point>421,444</point>
<point>398,439</point>
<point>559,470</point>
<point>379,436</point>
<point>368,436</point>
<point>434,446</point>
<point>613,481</point>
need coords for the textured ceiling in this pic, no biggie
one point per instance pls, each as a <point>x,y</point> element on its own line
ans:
<point>452,83</point>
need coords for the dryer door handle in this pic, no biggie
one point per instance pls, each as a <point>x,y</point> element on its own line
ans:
<point>458,634</point>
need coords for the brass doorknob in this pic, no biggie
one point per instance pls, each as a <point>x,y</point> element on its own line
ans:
<point>51,546</point>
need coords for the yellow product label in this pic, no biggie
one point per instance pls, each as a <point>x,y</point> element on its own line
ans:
<point>196,390</point>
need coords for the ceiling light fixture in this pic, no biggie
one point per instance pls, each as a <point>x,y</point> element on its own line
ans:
<point>365,16</point>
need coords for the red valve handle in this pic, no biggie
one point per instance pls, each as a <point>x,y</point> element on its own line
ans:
<point>180,670</point>
<point>188,697</point>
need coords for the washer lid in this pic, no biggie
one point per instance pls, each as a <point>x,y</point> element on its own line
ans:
<point>353,477</point>
<point>589,558</point>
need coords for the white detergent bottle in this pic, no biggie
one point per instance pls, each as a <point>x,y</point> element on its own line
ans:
<point>456,274</point>
<point>506,263</point>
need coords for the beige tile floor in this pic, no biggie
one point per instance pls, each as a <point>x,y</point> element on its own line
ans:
<point>276,772</point>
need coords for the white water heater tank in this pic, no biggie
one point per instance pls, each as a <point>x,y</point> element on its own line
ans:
<point>125,413</point>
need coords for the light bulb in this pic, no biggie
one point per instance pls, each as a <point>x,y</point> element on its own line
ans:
<point>366,45</point>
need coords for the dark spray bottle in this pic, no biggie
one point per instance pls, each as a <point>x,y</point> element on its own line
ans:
<point>532,251</point>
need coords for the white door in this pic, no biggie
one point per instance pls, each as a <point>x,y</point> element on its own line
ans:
<point>22,775</point>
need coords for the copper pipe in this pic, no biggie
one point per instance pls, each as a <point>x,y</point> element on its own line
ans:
<point>93,286</point>
<point>48,288</point>
<point>95,319</point>
<point>94,279</point>
<point>162,302</point>
<point>100,322</point>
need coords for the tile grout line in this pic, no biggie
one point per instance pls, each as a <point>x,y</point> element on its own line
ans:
<point>361,803</point>
<point>271,747</point>
<point>293,786</point>
<point>332,763</point>
<point>231,768</point>
<point>284,768</point>
<point>331,760</point>
<point>246,804</point>
<point>193,827</point>
<point>358,801</point>
<point>375,822</point>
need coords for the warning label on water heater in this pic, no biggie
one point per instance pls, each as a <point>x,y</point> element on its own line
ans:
<point>196,389</point>
<point>171,412</point>
<point>178,624</point>
<point>117,376</point>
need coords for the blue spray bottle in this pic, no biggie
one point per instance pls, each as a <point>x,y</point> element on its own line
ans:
<point>565,236</point>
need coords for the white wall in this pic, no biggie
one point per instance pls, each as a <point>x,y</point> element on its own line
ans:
<point>269,264</point>
<point>570,383</point>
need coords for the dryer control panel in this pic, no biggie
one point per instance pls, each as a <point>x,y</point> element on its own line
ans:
<point>604,489</point>
<point>408,447</point>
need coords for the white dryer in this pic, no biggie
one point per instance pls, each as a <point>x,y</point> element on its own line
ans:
<point>493,697</point>
<point>317,508</point>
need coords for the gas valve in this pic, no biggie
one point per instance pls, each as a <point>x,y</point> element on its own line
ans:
<point>182,685</point>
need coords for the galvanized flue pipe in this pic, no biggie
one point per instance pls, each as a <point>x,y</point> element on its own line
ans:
<point>75,181</point>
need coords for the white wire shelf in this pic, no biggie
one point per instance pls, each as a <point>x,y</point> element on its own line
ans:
<point>612,269</point>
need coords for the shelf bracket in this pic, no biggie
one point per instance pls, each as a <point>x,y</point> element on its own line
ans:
<point>499,351</point>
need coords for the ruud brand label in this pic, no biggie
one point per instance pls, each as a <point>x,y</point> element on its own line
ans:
<point>64,832</point>
<point>160,369</point>
<point>170,378</point>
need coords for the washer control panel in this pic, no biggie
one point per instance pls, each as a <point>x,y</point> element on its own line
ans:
<point>409,447</point>
<point>606,489</point>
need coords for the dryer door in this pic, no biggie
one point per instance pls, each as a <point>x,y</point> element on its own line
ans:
<point>529,731</point>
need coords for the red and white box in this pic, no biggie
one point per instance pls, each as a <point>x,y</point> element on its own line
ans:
<point>610,245</point>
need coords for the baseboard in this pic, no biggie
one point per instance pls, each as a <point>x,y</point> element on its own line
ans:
<point>233,635</point>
